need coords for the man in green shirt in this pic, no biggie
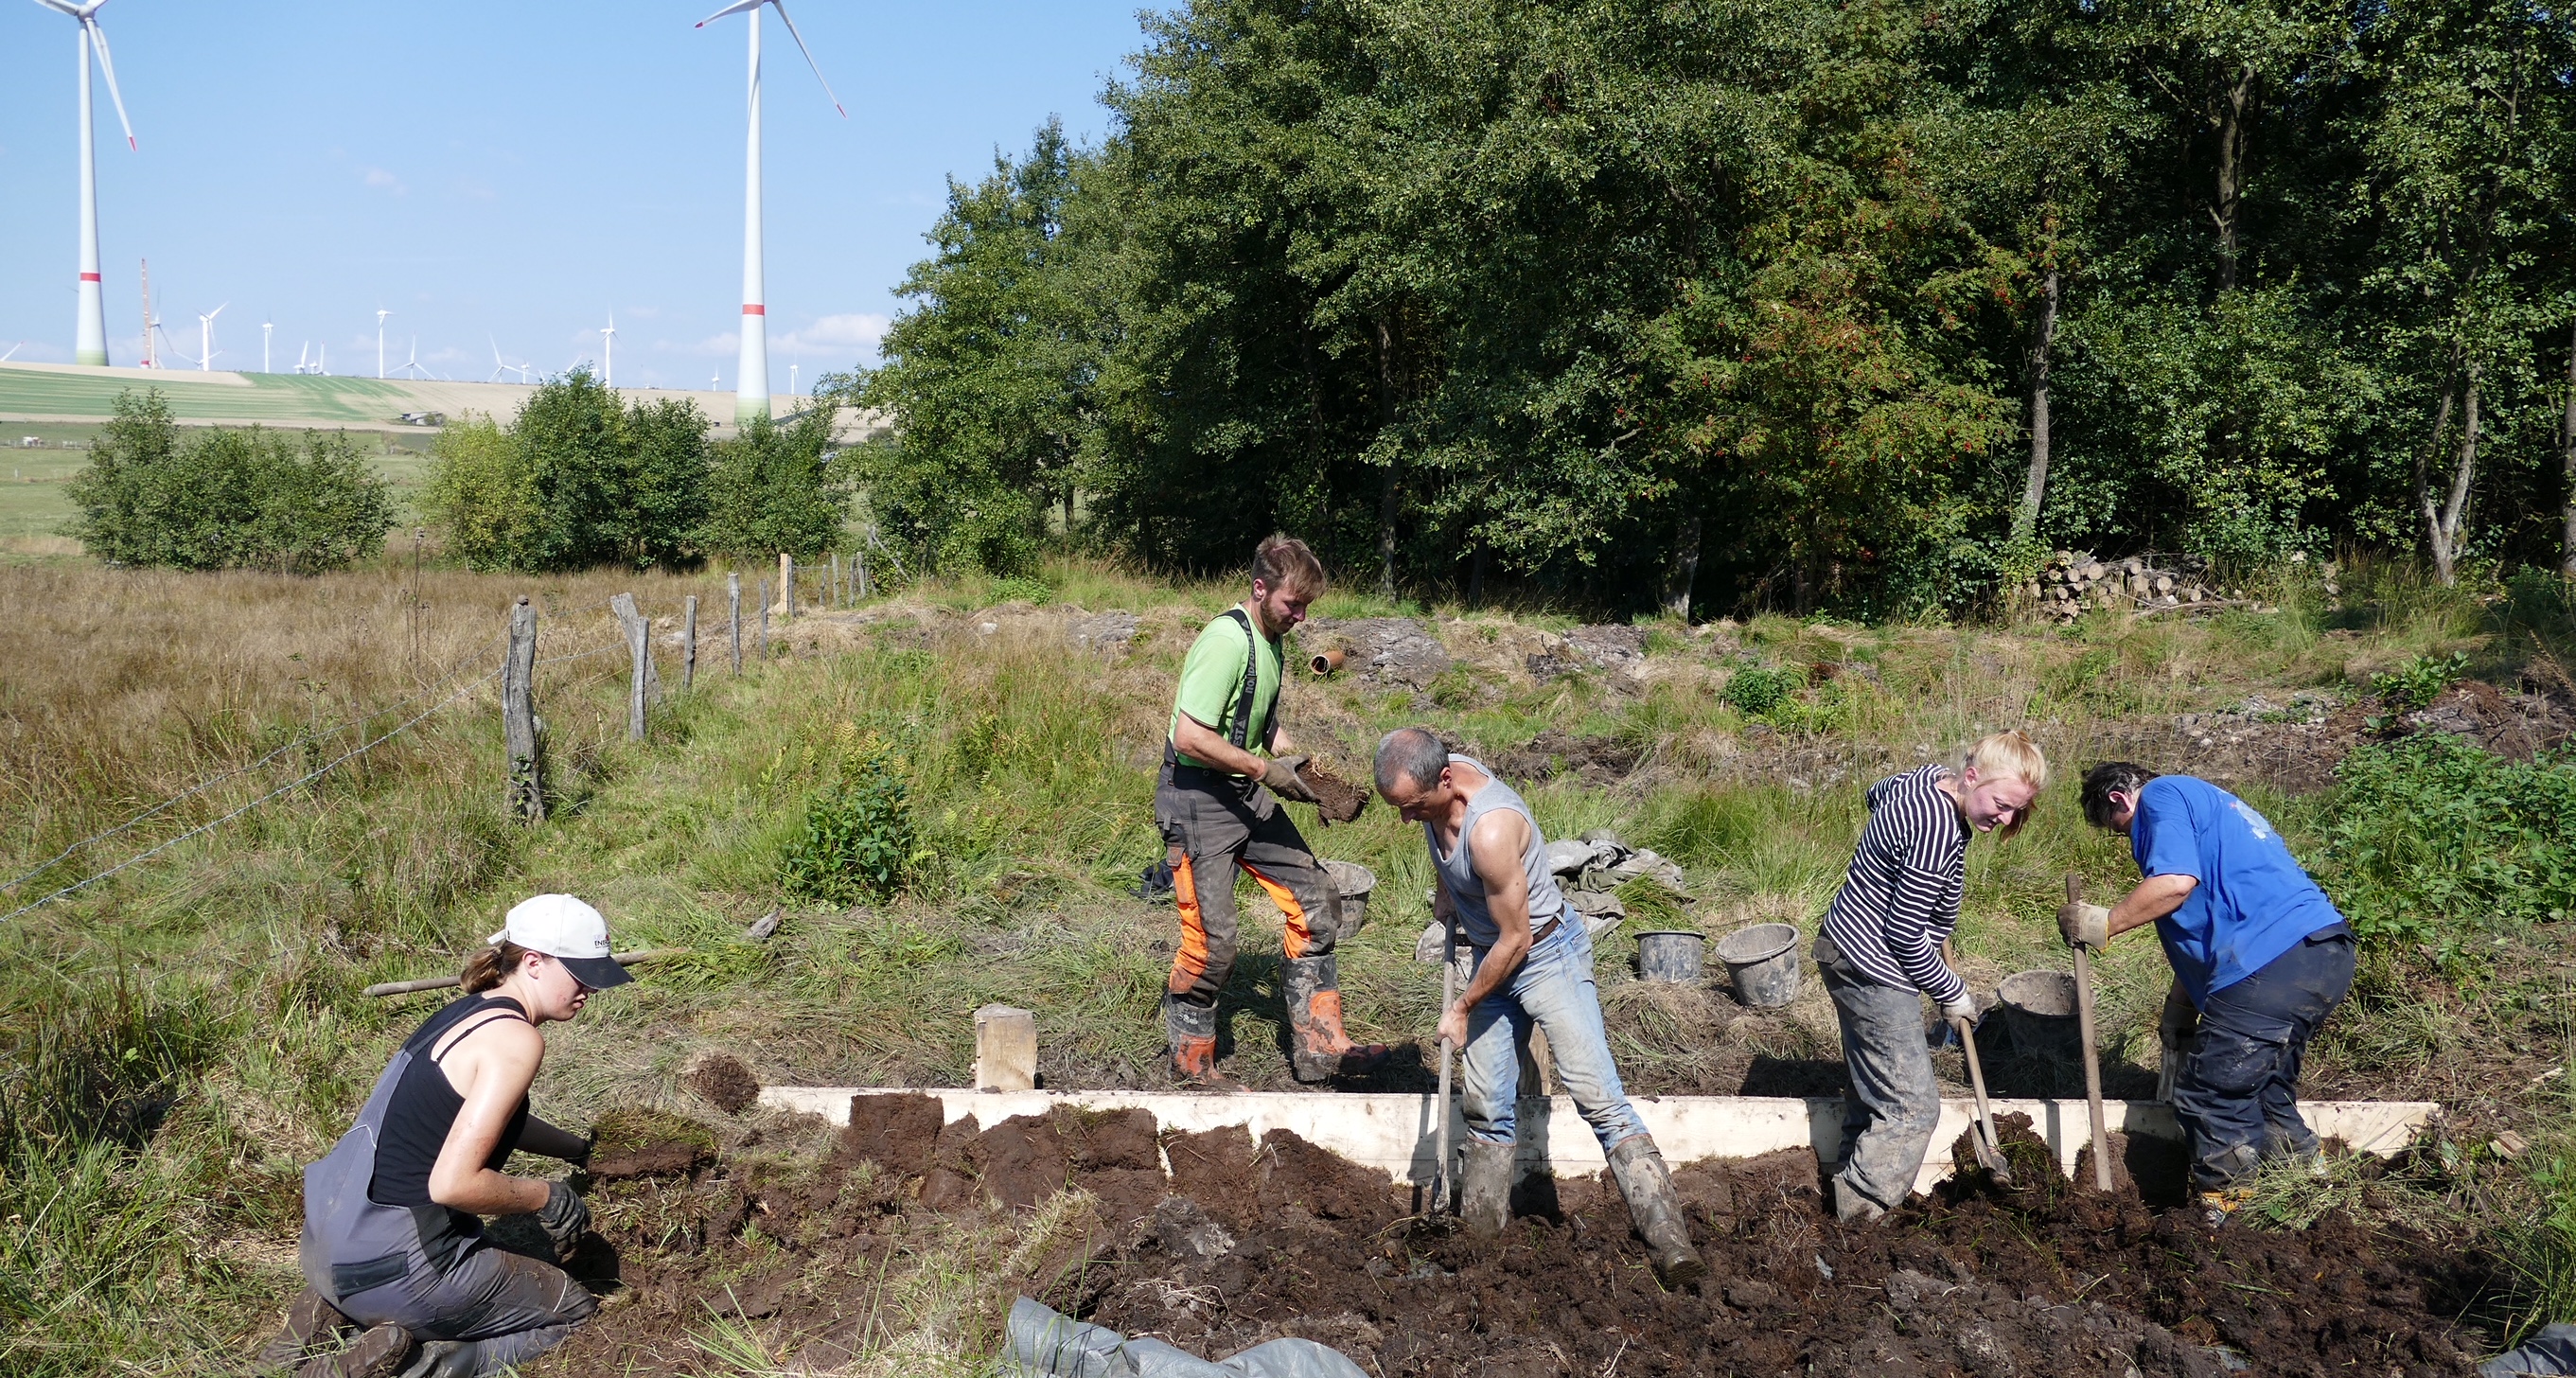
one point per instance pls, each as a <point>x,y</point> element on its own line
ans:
<point>1217,804</point>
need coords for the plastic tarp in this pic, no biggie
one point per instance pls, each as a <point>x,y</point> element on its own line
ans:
<point>2552,1351</point>
<point>1049,1344</point>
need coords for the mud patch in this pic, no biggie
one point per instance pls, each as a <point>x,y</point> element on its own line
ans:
<point>727,1084</point>
<point>648,1143</point>
<point>1553,753</point>
<point>1338,799</point>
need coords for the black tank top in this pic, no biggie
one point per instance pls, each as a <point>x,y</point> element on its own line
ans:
<point>424,1107</point>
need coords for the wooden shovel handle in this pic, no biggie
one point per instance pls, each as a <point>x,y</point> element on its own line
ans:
<point>2092,1061</point>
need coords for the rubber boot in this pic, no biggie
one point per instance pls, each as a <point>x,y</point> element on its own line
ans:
<point>1191,1058</point>
<point>312,1324</point>
<point>379,1353</point>
<point>1655,1210</point>
<point>1485,1187</point>
<point>1317,1047</point>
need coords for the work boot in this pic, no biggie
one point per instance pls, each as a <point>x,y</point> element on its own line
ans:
<point>1191,1059</point>
<point>1317,1047</point>
<point>379,1353</point>
<point>1852,1206</point>
<point>1485,1187</point>
<point>1655,1210</point>
<point>312,1324</point>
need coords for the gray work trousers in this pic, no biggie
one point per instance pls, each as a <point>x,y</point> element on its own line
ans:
<point>1893,1102</point>
<point>510,1307</point>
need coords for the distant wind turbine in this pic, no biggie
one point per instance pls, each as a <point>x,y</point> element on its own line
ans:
<point>265,327</point>
<point>205,331</point>
<point>412,364</point>
<point>501,365</point>
<point>608,351</point>
<point>751,389</point>
<point>381,313</point>
<point>90,340</point>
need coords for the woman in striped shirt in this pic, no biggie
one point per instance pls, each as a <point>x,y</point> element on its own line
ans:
<point>1880,953</point>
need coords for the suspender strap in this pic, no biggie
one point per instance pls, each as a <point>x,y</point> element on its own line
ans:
<point>1240,730</point>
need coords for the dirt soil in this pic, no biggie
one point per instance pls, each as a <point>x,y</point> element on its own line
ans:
<point>1339,799</point>
<point>1244,1242</point>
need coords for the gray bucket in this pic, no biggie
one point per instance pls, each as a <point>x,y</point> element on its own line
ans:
<point>1670,955</point>
<point>2039,1012</point>
<point>1763,963</point>
<point>1355,882</point>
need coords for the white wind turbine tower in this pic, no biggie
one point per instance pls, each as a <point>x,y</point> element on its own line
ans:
<point>608,352</point>
<point>751,388</point>
<point>206,335</point>
<point>90,341</point>
<point>381,313</point>
<point>265,327</point>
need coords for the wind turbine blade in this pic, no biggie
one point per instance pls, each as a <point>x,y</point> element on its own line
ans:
<point>809,55</point>
<point>106,64</point>
<point>60,7</point>
<point>735,8</point>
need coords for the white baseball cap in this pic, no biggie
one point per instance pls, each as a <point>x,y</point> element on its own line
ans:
<point>567,930</point>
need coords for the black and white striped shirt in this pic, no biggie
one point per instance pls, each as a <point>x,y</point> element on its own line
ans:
<point>1902,897</point>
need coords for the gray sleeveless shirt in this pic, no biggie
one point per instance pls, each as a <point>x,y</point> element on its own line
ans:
<point>1458,869</point>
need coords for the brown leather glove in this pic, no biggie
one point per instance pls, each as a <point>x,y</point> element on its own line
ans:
<point>2084,925</point>
<point>1281,776</point>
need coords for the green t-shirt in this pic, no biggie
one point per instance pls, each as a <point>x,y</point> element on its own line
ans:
<point>1212,683</point>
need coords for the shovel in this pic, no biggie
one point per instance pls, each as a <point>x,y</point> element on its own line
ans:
<point>1440,1183</point>
<point>1990,1153</point>
<point>2092,1063</point>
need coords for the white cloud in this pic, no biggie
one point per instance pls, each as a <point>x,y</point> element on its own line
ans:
<point>719,345</point>
<point>850,336</point>
<point>379,178</point>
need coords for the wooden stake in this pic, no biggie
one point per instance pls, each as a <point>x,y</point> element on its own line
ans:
<point>642,685</point>
<point>1006,1049</point>
<point>526,796</point>
<point>689,645</point>
<point>786,587</point>
<point>650,954</point>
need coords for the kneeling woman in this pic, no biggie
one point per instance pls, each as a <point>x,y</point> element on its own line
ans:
<point>390,1231</point>
<point>1880,954</point>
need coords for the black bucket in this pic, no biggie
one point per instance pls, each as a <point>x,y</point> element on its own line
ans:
<point>2039,1013</point>
<point>1670,955</point>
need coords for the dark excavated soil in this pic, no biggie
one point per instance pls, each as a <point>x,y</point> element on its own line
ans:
<point>1337,798</point>
<point>1246,1241</point>
<point>724,1081</point>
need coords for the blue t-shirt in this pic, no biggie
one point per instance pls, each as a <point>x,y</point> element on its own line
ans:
<point>2253,902</point>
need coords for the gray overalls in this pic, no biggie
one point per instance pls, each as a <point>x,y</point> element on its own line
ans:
<point>414,1267</point>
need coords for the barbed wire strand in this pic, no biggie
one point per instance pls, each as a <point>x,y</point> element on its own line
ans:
<point>316,774</point>
<point>209,783</point>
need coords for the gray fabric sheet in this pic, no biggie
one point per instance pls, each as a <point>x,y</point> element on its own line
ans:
<point>1049,1344</point>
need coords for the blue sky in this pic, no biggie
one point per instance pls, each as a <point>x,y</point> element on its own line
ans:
<point>516,172</point>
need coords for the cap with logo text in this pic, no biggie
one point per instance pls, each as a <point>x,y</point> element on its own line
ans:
<point>569,931</point>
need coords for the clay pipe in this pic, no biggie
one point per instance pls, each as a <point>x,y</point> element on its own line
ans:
<point>1990,1153</point>
<point>625,959</point>
<point>1327,662</point>
<point>2092,1061</point>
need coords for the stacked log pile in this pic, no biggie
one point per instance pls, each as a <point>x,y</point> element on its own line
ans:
<point>2074,583</point>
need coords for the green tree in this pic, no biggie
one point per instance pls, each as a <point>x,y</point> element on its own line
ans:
<point>776,487</point>
<point>479,492</point>
<point>225,499</point>
<point>578,479</point>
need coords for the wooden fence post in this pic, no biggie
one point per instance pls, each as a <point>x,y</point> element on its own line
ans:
<point>527,793</point>
<point>835,596</point>
<point>786,587</point>
<point>645,684</point>
<point>733,622</point>
<point>862,558</point>
<point>689,645</point>
<point>764,621</point>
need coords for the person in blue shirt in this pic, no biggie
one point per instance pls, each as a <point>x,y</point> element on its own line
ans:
<point>2257,949</point>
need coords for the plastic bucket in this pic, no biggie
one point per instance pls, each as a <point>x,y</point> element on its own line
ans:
<point>1762,961</point>
<point>1670,955</point>
<point>2039,1013</point>
<point>1355,882</point>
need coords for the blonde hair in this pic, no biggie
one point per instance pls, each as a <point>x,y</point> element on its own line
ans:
<point>2008,755</point>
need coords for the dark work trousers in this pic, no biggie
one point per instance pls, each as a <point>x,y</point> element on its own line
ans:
<point>1217,822</point>
<point>1893,1103</point>
<point>2237,1094</point>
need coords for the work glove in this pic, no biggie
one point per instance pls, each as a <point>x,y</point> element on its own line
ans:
<point>580,1157</point>
<point>1281,776</point>
<point>2084,925</point>
<point>564,1218</point>
<point>1963,1008</point>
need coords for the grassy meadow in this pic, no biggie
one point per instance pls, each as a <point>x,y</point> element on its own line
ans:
<point>177,1040</point>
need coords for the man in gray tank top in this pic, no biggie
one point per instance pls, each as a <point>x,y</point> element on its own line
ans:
<point>1533,967</point>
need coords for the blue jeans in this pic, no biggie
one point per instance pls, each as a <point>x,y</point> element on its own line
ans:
<point>2237,1095</point>
<point>1554,990</point>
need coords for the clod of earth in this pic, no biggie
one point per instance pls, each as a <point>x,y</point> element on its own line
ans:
<point>1338,799</point>
<point>727,1084</point>
<point>1245,1240</point>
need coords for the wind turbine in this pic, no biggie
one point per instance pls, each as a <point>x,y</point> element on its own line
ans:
<point>381,313</point>
<point>264,328</point>
<point>205,331</point>
<point>501,365</point>
<point>608,351</point>
<point>751,389</point>
<point>90,342</point>
<point>412,364</point>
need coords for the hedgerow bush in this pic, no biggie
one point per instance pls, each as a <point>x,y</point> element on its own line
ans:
<point>2432,841</point>
<point>858,839</point>
<point>225,499</point>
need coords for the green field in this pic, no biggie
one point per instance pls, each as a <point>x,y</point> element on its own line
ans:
<point>33,508</point>
<point>279,398</point>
